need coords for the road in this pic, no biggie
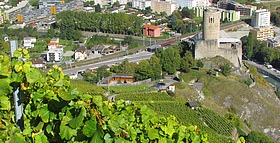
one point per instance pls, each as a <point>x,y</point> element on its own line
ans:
<point>131,58</point>
<point>273,73</point>
<point>118,57</point>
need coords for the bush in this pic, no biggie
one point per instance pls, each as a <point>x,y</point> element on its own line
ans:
<point>226,69</point>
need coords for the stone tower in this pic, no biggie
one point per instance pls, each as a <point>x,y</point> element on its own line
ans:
<point>211,24</point>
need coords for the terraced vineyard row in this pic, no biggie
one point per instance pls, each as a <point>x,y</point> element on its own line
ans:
<point>186,116</point>
<point>216,122</point>
<point>151,96</point>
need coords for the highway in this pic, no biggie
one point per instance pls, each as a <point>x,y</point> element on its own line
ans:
<point>131,58</point>
<point>140,53</point>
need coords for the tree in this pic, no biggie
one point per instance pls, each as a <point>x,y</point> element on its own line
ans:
<point>226,69</point>
<point>97,8</point>
<point>89,3</point>
<point>126,68</point>
<point>257,137</point>
<point>115,4</point>
<point>156,68</point>
<point>187,61</point>
<point>143,70</point>
<point>51,33</point>
<point>186,12</point>
<point>199,64</point>
<point>170,60</point>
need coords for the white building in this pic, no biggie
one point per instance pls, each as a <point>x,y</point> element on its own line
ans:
<point>28,42</point>
<point>141,4</point>
<point>260,18</point>
<point>55,55</point>
<point>192,3</point>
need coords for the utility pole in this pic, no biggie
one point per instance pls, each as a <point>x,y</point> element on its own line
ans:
<point>17,93</point>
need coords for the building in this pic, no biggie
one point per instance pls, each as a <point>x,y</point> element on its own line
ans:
<point>226,15</point>
<point>49,3</point>
<point>260,18</point>
<point>273,42</point>
<point>164,6</point>
<point>262,33</point>
<point>55,53</point>
<point>151,30</point>
<point>12,14</point>
<point>211,45</point>
<point>193,3</point>
<point>28,42</point>
<point>245,10</point>
<point>39,63</point>
<point>80,53</point>
<point>141,4</point>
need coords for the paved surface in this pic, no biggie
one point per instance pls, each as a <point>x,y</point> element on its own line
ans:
<point>271,71</point>
<point>131,58</point>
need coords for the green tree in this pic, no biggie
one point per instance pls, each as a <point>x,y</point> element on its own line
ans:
<point>199,64</point>
<point>155,67</point>
<point>170,60</point>
<point>257,137</point>
<point>51,33</point>
<point>143,70</point>
<point>226,69</point>
<point>89,3</point>
<point>97,8</point>
<point>187,61</point>
<point>126,68</point>
<point>115,4</point>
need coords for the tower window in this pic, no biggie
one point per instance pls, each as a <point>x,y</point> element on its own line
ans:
<point>211,20</point>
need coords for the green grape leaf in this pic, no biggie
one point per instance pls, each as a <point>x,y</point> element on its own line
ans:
<point>114,125</point>
<point>153,134</point>
<point>27,132</point>
<point>97,100</point>
<point>39,126</point>
<point>90,127</point>
<point>97,137</point>
<point>17,54</point>
<point>108,138</point>
<point>44,114</point>
<point>169,130</point>
<point>78,121</point>
<point>4,102</point>
<point>65,95</point>
<point>66,132</point>
<point>37,96</point>
<point>18,138</point>
<point>33,75</point>
<point>196,139</point>
<point>60,82</point>
<point>26,67</point>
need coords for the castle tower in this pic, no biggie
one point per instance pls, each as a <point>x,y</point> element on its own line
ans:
<point>211,24</point>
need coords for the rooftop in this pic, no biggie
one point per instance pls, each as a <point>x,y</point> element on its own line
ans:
<point>149,26</point>
<point>229,40</point>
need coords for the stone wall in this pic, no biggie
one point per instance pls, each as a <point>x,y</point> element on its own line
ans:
<point>210,48</point>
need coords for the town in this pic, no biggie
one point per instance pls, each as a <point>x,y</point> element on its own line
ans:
<point>211,64</point>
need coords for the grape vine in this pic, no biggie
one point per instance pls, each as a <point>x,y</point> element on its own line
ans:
<point>56,112</point>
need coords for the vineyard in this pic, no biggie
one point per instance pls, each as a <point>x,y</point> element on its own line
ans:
<point>128,89</point>
<point>165,105</point>
<point>149,96</point>
<point>216,122</point>
<point>53,111</point>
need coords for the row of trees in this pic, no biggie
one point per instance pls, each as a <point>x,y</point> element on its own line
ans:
<point>275,18</point>
<point>176,21</point>
<point>254,49</point>
<point>117,23</point>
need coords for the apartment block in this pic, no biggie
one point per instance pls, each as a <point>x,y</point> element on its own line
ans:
<point>260,18</point>
<point>226,15</point>
<point>141,4</point>
<point>193,3</point>
<point>245,10</point>
<point>262,33</point>
<point>11,14</point>
<point>49,3</point>
<point>164,6</point>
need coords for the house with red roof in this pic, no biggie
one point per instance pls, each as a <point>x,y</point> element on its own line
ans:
<point>151,30</point>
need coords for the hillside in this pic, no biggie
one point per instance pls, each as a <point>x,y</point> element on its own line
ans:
<point>258,106</point>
